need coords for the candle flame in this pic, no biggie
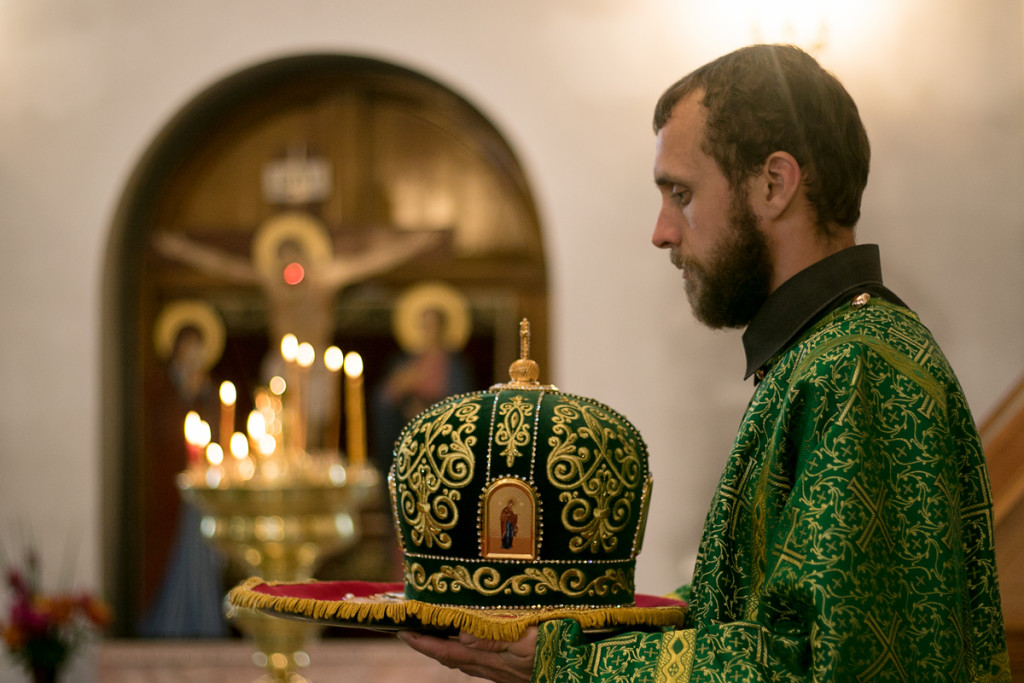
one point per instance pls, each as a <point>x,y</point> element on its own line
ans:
<point>203,434</point>
<point>306,355</point>
<point>214,454</point>
<point>228,394</point>
<point>334,358</point>
<point>353,364</point>
<point>239,445</point>
<point>192,422</point>
<point>289,347</point>
<point>256,425</point>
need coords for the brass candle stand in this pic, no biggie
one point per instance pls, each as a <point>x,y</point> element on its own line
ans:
<point>280,533</point>
<point>271,506</point>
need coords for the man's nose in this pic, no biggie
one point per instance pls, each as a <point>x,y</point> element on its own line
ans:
<point>666,232</point>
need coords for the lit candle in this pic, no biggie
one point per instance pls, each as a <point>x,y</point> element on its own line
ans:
<point>289,352</point>
<point>197,436</point>
<point>334,359</point>
<point>304,357</point>
<point>355,412</point>
<point>228,397</point>
<point>193,450</point>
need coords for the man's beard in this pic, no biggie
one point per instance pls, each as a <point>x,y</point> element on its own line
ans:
<point>732,285</point>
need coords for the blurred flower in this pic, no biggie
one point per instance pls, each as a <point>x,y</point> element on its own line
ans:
<point>43,630</point>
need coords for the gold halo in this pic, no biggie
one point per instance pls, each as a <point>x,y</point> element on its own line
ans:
<point>297,226</point>
<point>196,313</point>
<point>405,319</point>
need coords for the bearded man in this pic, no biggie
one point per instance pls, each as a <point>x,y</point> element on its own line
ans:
<point>850,538</point>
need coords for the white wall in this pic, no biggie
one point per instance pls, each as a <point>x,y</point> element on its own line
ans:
<point>86,84</point>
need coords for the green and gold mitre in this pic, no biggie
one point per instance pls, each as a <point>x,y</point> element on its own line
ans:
<point>520,496</point>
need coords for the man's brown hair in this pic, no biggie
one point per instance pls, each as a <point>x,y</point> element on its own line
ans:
<point>767,98</point>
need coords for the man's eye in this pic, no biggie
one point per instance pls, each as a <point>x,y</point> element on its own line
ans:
<point>681,195</point>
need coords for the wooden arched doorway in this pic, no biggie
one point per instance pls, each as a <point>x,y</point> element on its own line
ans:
<point>372,153</point>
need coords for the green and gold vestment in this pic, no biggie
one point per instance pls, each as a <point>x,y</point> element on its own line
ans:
<point>850,538</point>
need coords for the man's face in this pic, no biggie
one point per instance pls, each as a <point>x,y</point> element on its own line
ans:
<point>711,231</point>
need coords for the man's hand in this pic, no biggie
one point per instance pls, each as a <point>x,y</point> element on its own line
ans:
<point>494,660</point>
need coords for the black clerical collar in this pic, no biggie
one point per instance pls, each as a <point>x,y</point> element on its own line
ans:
<point>807,296</point>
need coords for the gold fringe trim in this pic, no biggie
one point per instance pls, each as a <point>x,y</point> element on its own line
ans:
<point>506,625</point>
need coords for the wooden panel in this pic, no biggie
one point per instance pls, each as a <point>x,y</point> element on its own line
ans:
<point>1010,561</point>
<point>1015,646</point>
<point>1003,436</point>
<point>406,155</point>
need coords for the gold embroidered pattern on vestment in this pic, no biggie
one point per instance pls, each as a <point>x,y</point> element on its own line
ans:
<point>675,659</point>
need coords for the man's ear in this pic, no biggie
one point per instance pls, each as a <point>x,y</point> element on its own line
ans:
<point>778,184</point>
